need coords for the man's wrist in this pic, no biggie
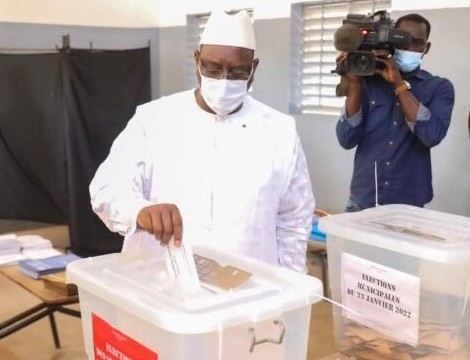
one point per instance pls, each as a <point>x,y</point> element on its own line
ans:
<point>356,82</point>
<point>402,87</point>
<point>354,87</point>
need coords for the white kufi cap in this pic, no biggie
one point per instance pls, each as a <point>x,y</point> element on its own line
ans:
<point>229,30</point>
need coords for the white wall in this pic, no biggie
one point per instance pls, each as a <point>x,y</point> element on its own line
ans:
<point>175,15</point>
<point>451,158</point>
<point>125,13</point>
<point>158,13</point>
<point>106,13</point>
<point>406,5</point>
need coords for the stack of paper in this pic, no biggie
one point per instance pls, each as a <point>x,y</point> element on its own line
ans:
<point>10,249</point>
<point>36,268</point>
<point>14,248</point>
<point>36,247</point>
<point>9,244</point>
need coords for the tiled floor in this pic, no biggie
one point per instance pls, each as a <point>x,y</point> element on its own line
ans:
<point>35,341</point>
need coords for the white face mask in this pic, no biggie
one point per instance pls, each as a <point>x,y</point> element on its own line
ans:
<point>222,95</point>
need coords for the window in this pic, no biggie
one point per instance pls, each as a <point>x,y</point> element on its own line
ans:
<point>313,86</point>
<point>195,27</point>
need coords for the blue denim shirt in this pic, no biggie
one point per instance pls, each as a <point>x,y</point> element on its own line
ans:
<point>401,149</point>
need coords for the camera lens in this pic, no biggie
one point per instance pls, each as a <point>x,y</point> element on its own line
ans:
<point>361,63</point>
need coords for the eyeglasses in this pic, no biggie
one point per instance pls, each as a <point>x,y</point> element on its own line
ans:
<point>236,73</point>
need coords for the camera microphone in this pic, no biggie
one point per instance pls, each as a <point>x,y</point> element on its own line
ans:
<point>359,36</point>
<point>347,38</point>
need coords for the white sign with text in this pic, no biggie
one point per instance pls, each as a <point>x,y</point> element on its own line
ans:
<point>381,298</point>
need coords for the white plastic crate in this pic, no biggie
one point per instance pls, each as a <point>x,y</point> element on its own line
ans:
<point>127,312</point>
<point>403,274</point>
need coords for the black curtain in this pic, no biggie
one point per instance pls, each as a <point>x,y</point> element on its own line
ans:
<point>59,115</point>
<point>32,157</point>
<point>101,92</point>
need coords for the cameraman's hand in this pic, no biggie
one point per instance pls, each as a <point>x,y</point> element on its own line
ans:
<point>389,71</point>
<point>341,61</point>
<point>350,85</point>
<point>163,221</point>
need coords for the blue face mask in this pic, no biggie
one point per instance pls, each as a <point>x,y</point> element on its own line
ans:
<point>407,60</point>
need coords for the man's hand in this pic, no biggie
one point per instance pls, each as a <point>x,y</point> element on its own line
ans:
<point>341,64</point>
<point>389,70</point>
<point>350,86</point>
<point>163,221</point>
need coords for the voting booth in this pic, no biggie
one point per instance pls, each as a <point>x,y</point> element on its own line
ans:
<point>402,277</point>
<point>131,311</point>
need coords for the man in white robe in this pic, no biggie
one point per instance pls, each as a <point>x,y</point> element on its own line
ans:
<point>211,165</point>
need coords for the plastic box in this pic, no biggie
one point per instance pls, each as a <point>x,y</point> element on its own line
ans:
<point>402,276</point>
<point>127,313</point>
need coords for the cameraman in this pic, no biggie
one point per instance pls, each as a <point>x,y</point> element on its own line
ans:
<point>394,118</point>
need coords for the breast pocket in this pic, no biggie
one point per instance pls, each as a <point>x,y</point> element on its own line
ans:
<point>379,113</point>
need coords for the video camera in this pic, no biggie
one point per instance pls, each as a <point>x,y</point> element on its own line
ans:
<point>360,34</point>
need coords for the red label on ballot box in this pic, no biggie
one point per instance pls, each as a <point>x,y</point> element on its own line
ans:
<point>111,344</point>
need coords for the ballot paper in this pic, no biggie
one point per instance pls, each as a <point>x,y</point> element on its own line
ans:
<point>182,268</point>
<point>219,278</point>
<point>436,342</point>
<point>192,272</point>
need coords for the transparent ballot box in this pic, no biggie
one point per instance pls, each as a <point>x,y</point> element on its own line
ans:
<point>402,277</point>
<point>131,311</point>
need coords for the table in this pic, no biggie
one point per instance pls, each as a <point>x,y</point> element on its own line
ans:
<point>51,301</point>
